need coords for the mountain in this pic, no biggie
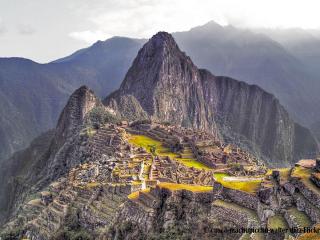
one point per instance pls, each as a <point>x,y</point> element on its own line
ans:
<point>49,156</point>
<point>164,85</point>
<point>32,95</point>
<point>175,170</point>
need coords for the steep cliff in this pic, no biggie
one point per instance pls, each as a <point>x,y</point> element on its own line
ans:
<point>248,115</point>
<point>165,85</point>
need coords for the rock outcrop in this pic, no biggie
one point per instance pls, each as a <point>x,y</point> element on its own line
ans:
<point>163,84</point>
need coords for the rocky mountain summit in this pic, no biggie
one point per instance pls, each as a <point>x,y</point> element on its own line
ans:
<point>165,85</point>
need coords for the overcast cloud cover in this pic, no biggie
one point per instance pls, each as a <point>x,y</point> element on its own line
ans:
<point>44,30</point>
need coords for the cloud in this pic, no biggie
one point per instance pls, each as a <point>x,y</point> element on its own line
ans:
<point>2,27</point>
<point>89,36</point>
<point>143,18</point>
<point>25,29</point>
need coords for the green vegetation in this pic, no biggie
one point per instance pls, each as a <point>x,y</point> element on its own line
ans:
<point>152,149</point>
<point>135,195</point>
<point>219,176</point>
<point>301,172</point>
<point>277,221</point>
<point>93,184</point>
<point>250,186</point>
<point>156,148</point>
<point>301,218</point>
<point>189,187</point>
<point>72,229</point>
<point>99,115</point>
<point>179,231</point>
<point>304,175</point>
<point>15,233</point>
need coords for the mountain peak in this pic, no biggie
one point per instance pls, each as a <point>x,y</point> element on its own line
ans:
<point>161,43</point>
<point>162,37</point>
<point>82,101</point>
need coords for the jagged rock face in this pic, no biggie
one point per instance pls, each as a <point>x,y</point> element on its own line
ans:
<point>246,112</point>
<point>165,85</point>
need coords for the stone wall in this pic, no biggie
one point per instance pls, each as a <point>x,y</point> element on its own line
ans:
<point>307,193</point>
<point>242,198</point>
<point>304,205</point>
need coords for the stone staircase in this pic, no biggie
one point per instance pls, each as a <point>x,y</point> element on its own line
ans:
<point>187,151</point>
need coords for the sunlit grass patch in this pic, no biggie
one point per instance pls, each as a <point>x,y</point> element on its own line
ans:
<point>219,176</point>
<point>246,186</point>
<point>145,142</point>
<point>277,221</point>
<point>160,150</point>
<point>302,219</point>
<point>189,187</point>
<point>301,172</point>
<point>190,162</point>
<point>304,175</point>
<point>135,195</point>
<point>250,185</point>
<point>93,184</point>
<point>283,171</point>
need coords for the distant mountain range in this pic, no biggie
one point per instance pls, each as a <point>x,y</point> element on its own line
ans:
<point>32,94</point>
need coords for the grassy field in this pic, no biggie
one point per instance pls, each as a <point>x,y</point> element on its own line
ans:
<point>302,219</point>
<point>276,222</point>
<point>193,188</point>
<point>149,143</point>
<point>249,186</point>
<point>304,175</point>
<point>301,172</point>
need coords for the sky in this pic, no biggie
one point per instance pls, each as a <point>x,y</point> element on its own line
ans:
<point>44,30</point>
